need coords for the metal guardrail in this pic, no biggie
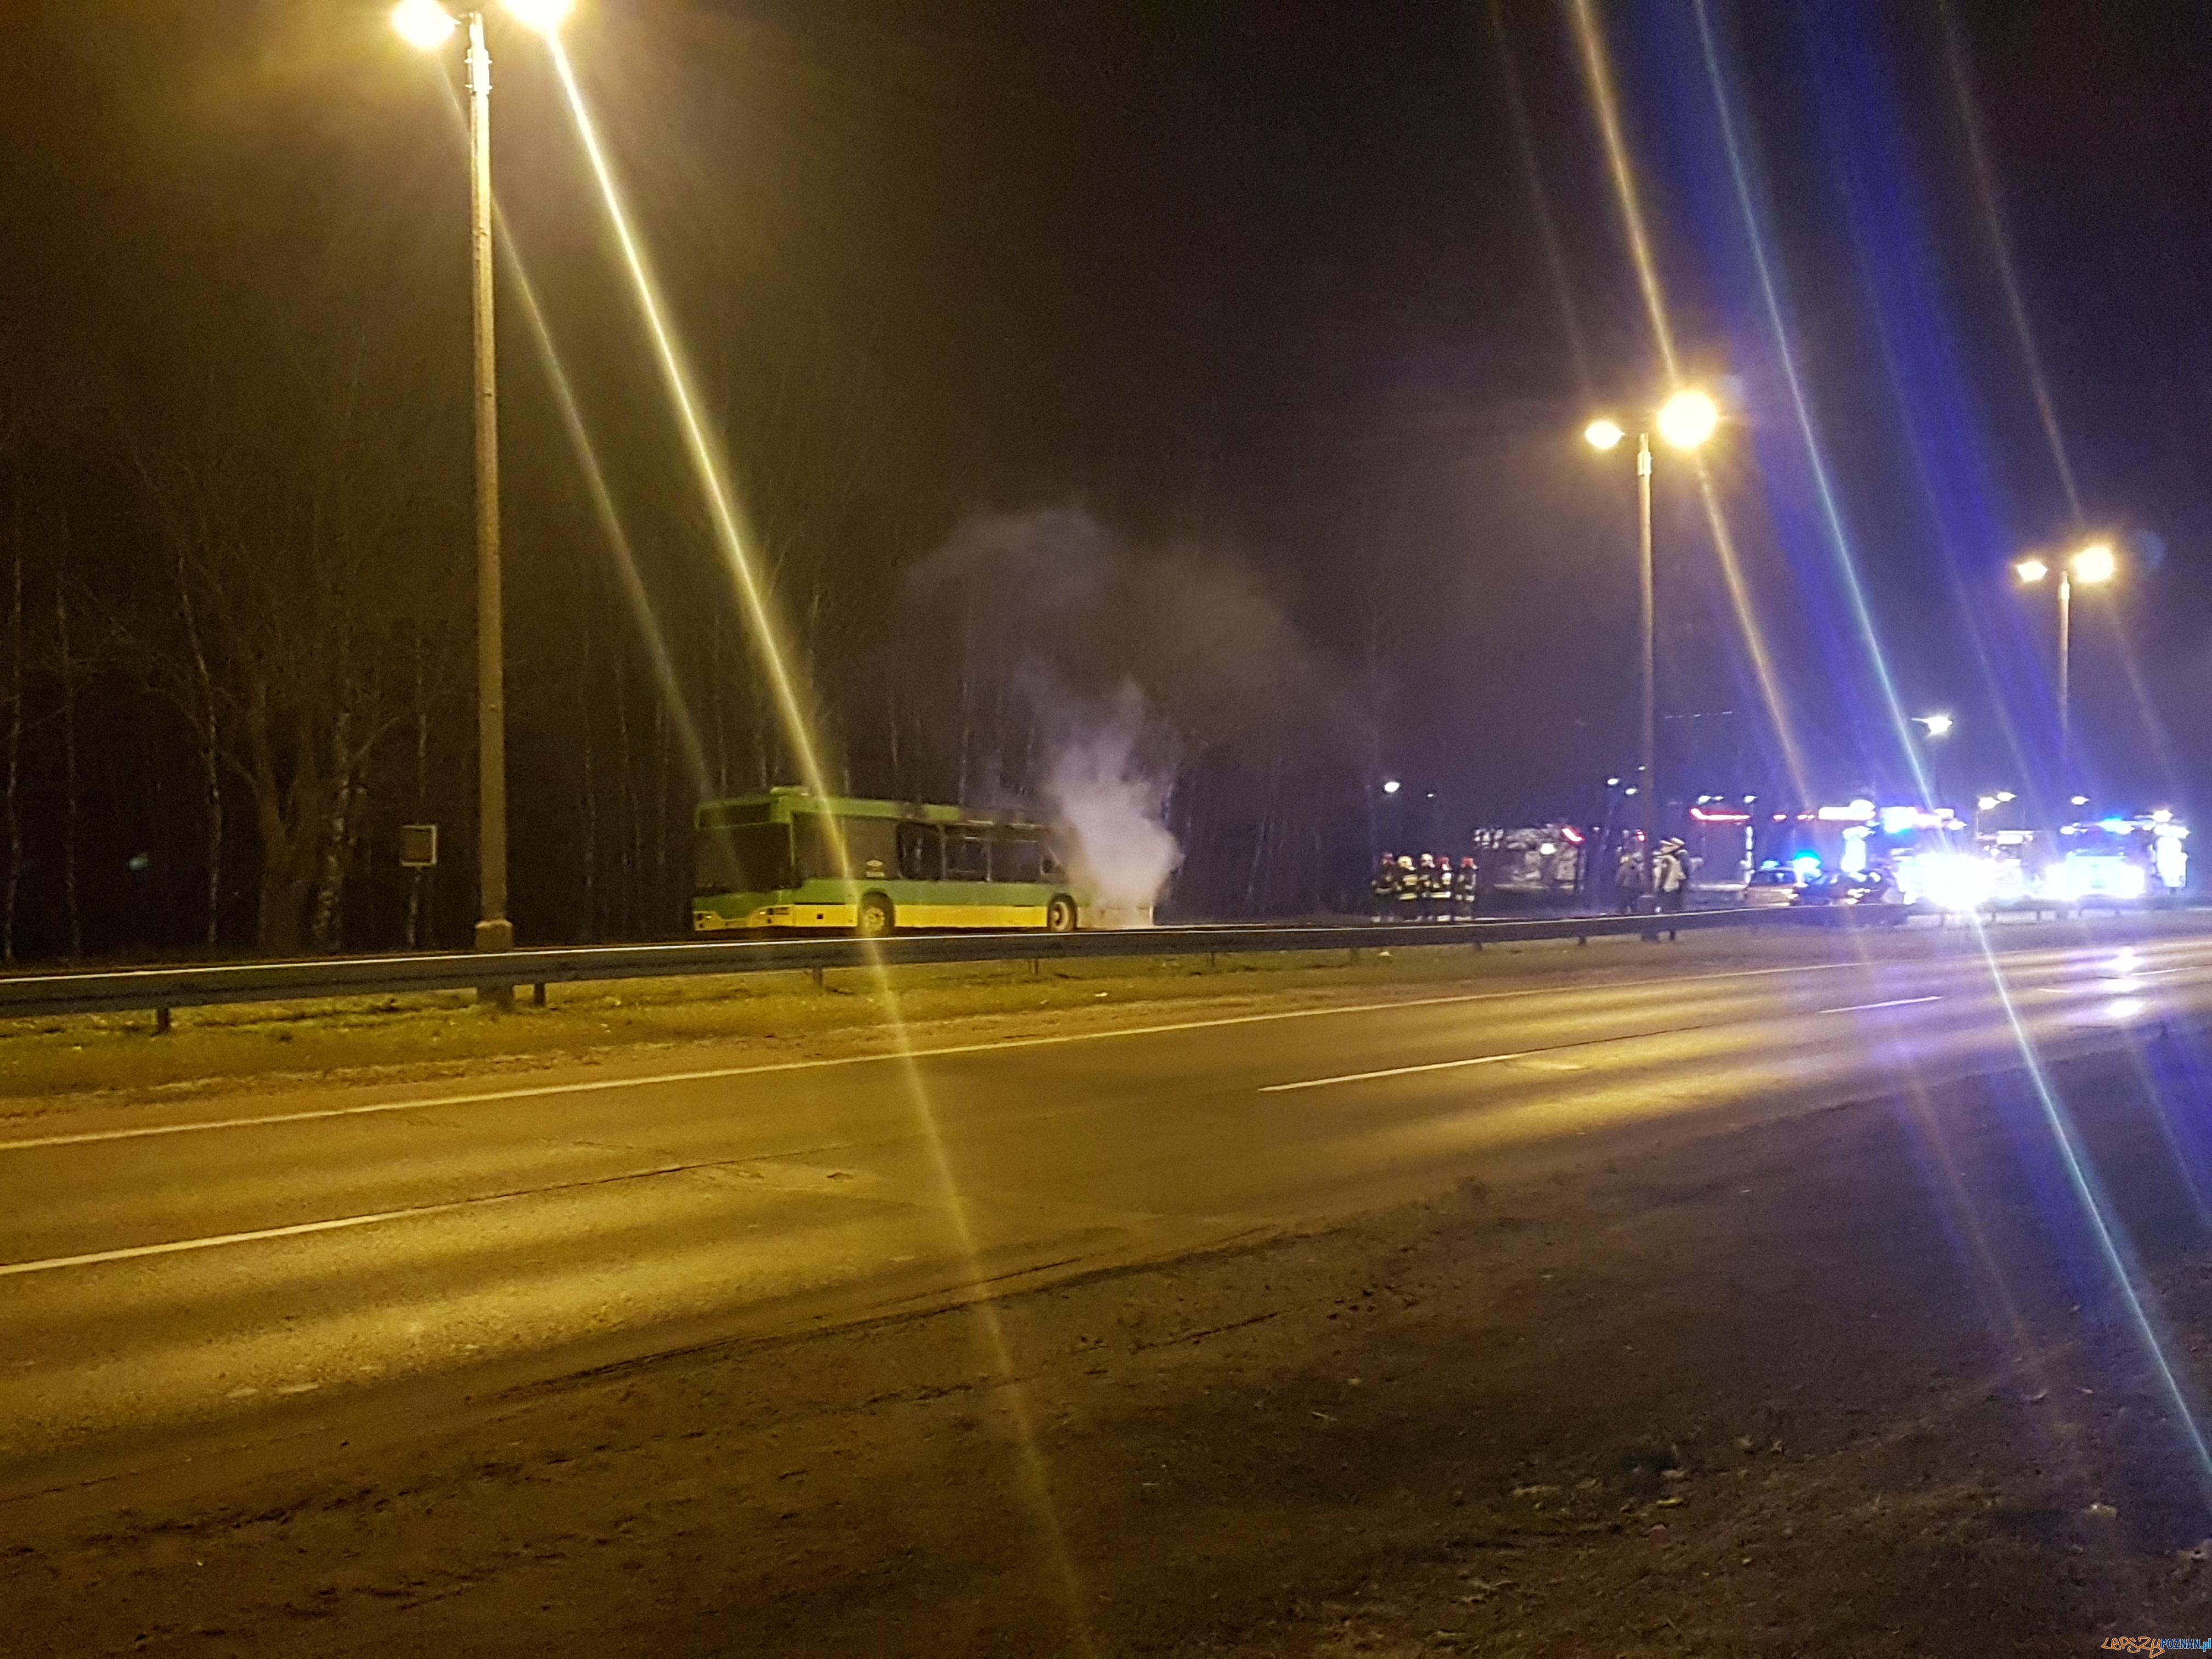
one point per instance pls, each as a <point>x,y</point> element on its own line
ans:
<point>161,990</point>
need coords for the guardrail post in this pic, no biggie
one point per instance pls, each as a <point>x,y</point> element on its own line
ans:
<point>1351,957</point>
<point>537,995</point>
<point>815,974</point>
<point>1037,967</point>
<point>162,1022</point>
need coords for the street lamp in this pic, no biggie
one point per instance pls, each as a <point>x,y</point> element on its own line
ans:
<point>2091,566</point>
<point>1686,420</point>
<point>427,26</point>
<point>1939,726</point>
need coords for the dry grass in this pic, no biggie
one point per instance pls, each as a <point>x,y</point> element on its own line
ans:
<point>60,1061</point>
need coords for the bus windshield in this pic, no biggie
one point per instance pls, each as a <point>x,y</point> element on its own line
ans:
<point>748,858</point>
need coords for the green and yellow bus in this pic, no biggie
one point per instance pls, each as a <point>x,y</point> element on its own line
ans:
<point>769,861</point>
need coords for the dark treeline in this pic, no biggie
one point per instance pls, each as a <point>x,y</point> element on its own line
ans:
<point>236,602</point>
<point>1197,388</point>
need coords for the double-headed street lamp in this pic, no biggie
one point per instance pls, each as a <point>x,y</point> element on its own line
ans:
<point>1684,421</point>
<point>1938,727</point>
<point>428,25</point>
<point>2091,566</point>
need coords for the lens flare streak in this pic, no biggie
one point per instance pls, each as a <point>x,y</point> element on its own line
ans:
<point>1036,1479</point>
<point>1598,77</point>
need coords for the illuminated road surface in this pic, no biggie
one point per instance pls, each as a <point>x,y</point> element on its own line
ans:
<point>171,1273</point>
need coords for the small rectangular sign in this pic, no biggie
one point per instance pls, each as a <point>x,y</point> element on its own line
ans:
<point>418,845</point>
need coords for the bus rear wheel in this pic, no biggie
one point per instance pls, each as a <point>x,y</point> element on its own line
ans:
<point>1060,916</point>
<point>876,919</point>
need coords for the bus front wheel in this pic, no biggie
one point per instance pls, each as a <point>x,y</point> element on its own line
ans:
<point>875,919</point>
<point>1060,916</point>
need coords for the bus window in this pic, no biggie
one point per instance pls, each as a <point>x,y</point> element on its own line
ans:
<point>921,852</point>
<point>967,856</point>
<point>816,852</point>
<point>1017,858</point>
<point>871,844</point>
<point>753,858</point>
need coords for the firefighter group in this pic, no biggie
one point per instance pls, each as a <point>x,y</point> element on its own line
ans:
<point>1425,887</point>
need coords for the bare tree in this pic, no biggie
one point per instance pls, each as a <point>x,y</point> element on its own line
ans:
<point>65,671</point>
<point>15,695</point>
<point>301,560</point>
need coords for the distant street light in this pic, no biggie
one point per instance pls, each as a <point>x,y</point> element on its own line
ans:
<point>1939,726</point>
<point>1688,418</point>
<point>1391,786</point>
<point>1685,421</point>
<point>2091,566</point>
<point>427,26</point>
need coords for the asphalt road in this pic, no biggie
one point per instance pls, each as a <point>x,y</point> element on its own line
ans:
<point>171,1273</point>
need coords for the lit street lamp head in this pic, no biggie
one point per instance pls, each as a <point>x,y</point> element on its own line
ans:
<point>2031,570</point>
<point>423,24</point>
<point>2093,563</point>
<point>1688,418</point>
<point>1603,434</point>
<point>1938,726</point>
<point>543,16</point>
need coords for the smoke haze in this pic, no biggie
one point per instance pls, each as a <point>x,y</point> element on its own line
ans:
<point>1155,701</point>
<point>1110,807</point>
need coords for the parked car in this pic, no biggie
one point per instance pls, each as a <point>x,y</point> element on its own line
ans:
<point>1874,892</point>
<point>1777,884</point>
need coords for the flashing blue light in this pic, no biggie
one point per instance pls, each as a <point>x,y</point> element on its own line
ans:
<point>1807,865</point>
<point>2118,826</point>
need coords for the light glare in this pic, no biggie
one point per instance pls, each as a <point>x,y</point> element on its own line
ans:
<point>1603,434</point>
<point>2031,570</point>
<point>1688,418</point>
<point>1938,725</point>
<point>2095,563</point>
<point>423,24</point>
<point>543,16</point>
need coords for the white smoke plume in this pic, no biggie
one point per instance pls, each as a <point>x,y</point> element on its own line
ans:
<point>1110,807</point>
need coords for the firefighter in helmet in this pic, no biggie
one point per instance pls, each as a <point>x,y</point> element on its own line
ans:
<point>1382,887</point>
<point>1446,887</point>
<point>1466,888</point>
<point>1409,889</point>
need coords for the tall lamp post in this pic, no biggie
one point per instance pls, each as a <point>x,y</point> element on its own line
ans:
<point>2091,566</point>
<point>1685,421</point>
<point>1938,727</point>
<point>428,25</point>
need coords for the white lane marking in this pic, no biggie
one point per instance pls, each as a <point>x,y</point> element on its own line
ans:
<point>1395,1070</point>
<point>1894,1002</point>
<point>540,1090</point>
<point>94,1258</point>
<point>302,1229</point>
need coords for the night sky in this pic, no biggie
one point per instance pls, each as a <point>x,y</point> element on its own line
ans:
<point>1242,351</point>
